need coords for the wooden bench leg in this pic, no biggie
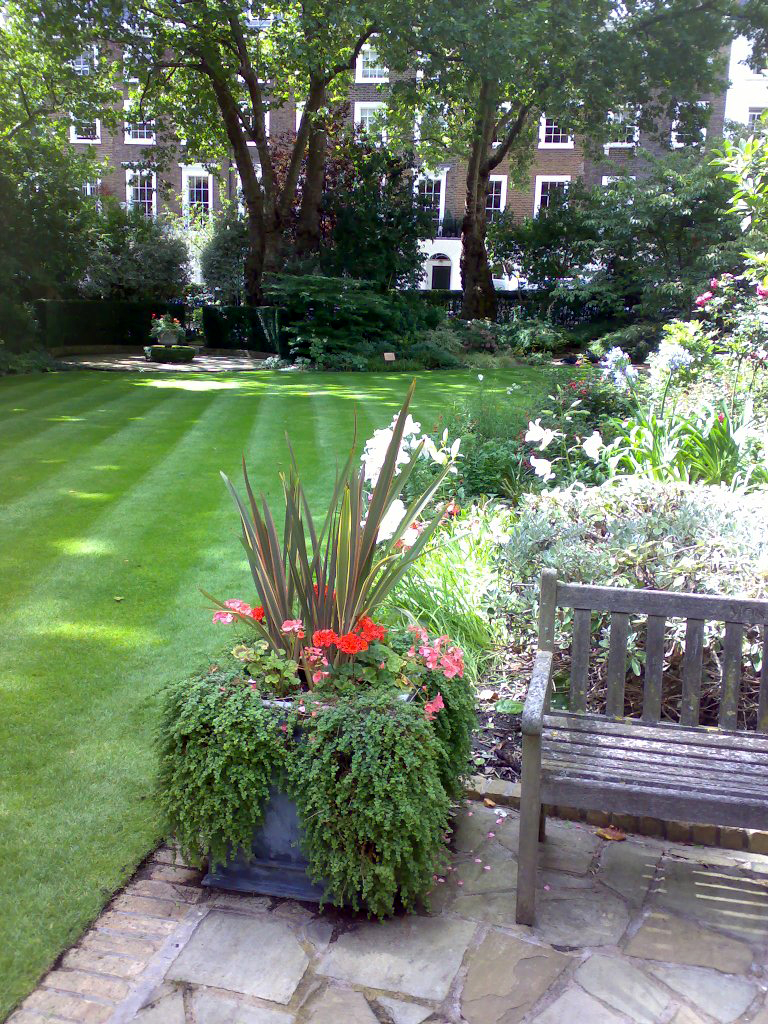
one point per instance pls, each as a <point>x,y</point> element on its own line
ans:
<point>530,819</point>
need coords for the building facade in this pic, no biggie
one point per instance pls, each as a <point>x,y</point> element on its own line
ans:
<point>191,189</point>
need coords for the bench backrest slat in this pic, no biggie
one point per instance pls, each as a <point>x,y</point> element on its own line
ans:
<point>654,668</point>
<point>731,684</point>
<point>692,667</point>
<point>617,664</point>
<point>582,637</point>
<point>621,605</point>
<point>762,707</point>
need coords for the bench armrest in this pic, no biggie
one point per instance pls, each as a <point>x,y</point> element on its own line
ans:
<point>538,692</point>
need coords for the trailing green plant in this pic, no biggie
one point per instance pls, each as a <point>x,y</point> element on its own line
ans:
<point>372,802</point>
<point>219,749</point>
<point>527,335</point>
<point>33,361</point>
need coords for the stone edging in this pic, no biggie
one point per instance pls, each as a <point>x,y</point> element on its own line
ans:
<point>507,794</point>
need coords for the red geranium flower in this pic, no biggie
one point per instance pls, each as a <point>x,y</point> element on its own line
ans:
<point>352,643</point>
<point>258,613</point>
<point>371,631</point>
<point>324,638</point>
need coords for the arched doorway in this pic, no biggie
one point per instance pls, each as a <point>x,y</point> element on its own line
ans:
<point>439,271</point>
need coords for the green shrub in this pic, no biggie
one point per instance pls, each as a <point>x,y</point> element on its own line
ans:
<point>637,340</point>
<point>635,532</point>
<point>222,258</point>
<point>32,361</point>
<point>525,335</point>
<point>169,353</point>
<point>239,327</point>
<point>67,323</point>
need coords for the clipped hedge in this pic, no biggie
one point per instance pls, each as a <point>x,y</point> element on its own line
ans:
<point>169,353</point>
<point>67,323</point>
<point>237,327</point>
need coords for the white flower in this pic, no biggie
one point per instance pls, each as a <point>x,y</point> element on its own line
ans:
<point>593,445</point>
<point>391,521</point>
<point>536,434</point>
<point>480,376</point>
<point>542,468</point>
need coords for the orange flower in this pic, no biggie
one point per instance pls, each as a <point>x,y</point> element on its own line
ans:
<point>324,638</point>
<point>352,643</point>
<point>370,631</point>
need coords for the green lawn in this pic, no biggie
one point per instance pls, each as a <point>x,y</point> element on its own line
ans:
<point>109,488</point>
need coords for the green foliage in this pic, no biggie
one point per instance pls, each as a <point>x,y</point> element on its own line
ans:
<point>644,248</point>
<point>237,327</point>
<point>378,221</point>
<point>169,353</point>
<point>219,751</point>
<point>744,166</point>
<point>222,258</point>
<point>32,361</point>
<point>524,336</point>
<point>639,532</point>
<point>134,257</point>
<point>371,801</point>
<point>76,322</point>
<point>453,589</point>
<point>637,340</point>
<point>341,323</point>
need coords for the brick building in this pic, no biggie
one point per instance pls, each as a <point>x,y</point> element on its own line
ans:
<point>558,160</point>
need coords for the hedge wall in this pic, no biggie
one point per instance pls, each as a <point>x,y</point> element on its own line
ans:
<point>236,327</point>
<point>529,302</point>
<point>64,323</point>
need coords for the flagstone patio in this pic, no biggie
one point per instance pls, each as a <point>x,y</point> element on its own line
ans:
<point>641,931</point>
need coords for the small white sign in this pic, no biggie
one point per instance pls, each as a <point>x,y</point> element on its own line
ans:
<point>389,357</point>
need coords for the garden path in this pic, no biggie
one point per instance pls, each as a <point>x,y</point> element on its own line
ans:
<point>642,931</point>
<point>132,362</point>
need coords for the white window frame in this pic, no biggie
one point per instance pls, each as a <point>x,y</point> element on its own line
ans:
<point>128,138</point>
<point>440,175</point>
<point>758,112</point>
<point>624,145</point>
<point>249,141</point>
<point>130,173</point>
<point>673,137</point>
<point>540,180</point>
<point>361,79</point>
<point>91,188</point>
<point>552,145</point>
<point>194,171</point>
<point>85,62</point>
<point>74,137</point>
<point>503,179</point>
<point>358,112</point>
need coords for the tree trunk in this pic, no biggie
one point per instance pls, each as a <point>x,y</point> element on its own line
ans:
<point>308,228</point>
<point>254,262</point>
<point>479,299</point>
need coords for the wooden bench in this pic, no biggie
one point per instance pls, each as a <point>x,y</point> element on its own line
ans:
<point>640,766</point>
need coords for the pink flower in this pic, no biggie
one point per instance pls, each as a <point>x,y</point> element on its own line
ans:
<point>452,663</point>
<point>714,283</point>
<point>318,677</point>
<point>703,299</point>
<point>762,291</point>
<point>292,626</point>
<point>226,617</point>
<point>432,707</point>
<point>419,632</point>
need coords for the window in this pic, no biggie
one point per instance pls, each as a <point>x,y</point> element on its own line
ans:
<point>197,192</point>
<point>141,133</point>
<point>552,136</point>
<point>689,128</point>
<point>83,64</point>
<point>85,131</point>
<point>369,67</point>
<point>433,196</point>
<point>547,188</point>
<point>92,188</point>
<point>141,191</point>
<point>623,130</point>
<point>754,115</point>
<point>249,123</point>
<point>496,196</point>
<point>367,116</point>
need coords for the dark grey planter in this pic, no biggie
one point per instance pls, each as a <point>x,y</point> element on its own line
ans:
<point>277,865</point>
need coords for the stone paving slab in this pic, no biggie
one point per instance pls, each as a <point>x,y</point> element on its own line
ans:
<point>638,932</point>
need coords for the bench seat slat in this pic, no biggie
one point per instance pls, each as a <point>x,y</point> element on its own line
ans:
<point>697,759</point>
<point>665,732</point>
<point>663,602</point>
<point>670,777</point>
<point>707,808</point>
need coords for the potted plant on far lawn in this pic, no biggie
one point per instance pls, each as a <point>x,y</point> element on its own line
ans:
<point>319,757</point>
<point>167,334</point>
